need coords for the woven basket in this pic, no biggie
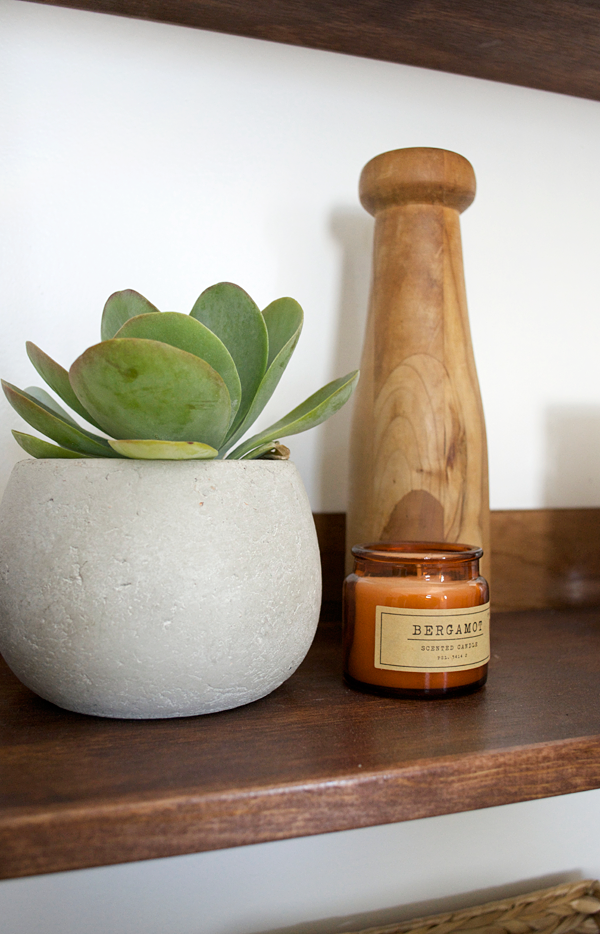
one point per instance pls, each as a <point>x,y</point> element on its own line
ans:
<point>571,907</point>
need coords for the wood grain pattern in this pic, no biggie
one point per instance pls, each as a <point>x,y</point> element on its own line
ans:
<point>418,453</point>
<point>546,558</point>
<point>549,44</point>
<point>312,757</point>
<point>542,558</point>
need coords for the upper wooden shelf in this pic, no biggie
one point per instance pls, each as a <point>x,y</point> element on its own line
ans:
<point>549,44</point>
<point>312,757</point>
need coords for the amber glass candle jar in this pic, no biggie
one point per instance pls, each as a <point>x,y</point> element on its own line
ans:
<point>416,620</point>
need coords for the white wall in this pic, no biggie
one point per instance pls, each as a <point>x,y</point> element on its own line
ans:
<point>149,156</point>
<point>164,159</point>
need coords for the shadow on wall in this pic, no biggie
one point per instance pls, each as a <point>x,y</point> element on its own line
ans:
<point>572,456</point>
<point>352,228</point>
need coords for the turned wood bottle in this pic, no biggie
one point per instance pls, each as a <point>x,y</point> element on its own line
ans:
<point>418,454</point>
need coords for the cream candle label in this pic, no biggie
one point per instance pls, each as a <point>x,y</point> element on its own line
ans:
<point>432,640</point>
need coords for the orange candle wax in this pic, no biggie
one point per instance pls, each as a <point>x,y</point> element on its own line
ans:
<point>416,620</point>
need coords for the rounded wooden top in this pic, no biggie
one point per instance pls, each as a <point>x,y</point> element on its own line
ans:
<point>420,176</point>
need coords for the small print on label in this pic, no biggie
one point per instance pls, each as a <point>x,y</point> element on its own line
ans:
<point>407,639</point>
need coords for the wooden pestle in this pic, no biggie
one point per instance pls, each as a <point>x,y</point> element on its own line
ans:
<point>418,452</point>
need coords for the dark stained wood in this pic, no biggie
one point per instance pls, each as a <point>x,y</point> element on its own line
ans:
<point>312,757</point>
<point>331,532</point>
<point>548,44</point>
<point>546,558</point>
<point>541,558</point>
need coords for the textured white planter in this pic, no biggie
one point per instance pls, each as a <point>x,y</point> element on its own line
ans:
<point>156,589</point>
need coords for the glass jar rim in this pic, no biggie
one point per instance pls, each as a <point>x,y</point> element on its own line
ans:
<point>418,552</point>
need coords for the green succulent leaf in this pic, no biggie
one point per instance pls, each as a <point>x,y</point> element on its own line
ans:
<point>152,450</point>
<point>169,386</point>
<point>120,307</point>
<point>37,447</point>
<point>283,321</point>
<point>145,389</point>
<point>40,395</point>
<point>230,313</point>
<point>190,335</point>
<point>48,423</point>
<point>314,410</point>
<point>58,379</point>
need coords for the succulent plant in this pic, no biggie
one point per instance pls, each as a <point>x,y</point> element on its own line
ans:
<point>170,386</point>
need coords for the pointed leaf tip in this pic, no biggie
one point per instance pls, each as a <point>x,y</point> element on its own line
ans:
<point>312,412</point>
<point>38,448</point>
<point>58,379</point>
<point>49,423</point>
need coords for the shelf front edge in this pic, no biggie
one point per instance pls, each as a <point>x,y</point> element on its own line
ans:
<point>538,45</point>
<point>65,838</point>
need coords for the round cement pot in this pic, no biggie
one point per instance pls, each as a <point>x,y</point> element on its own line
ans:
<point>156,589</point>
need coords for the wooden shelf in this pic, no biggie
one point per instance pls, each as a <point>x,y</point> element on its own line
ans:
<point>312,757</point>
<point>549,44</point>
<point>315,756</point>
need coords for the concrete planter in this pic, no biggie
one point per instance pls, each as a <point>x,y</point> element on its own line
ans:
<point>156,589</point>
